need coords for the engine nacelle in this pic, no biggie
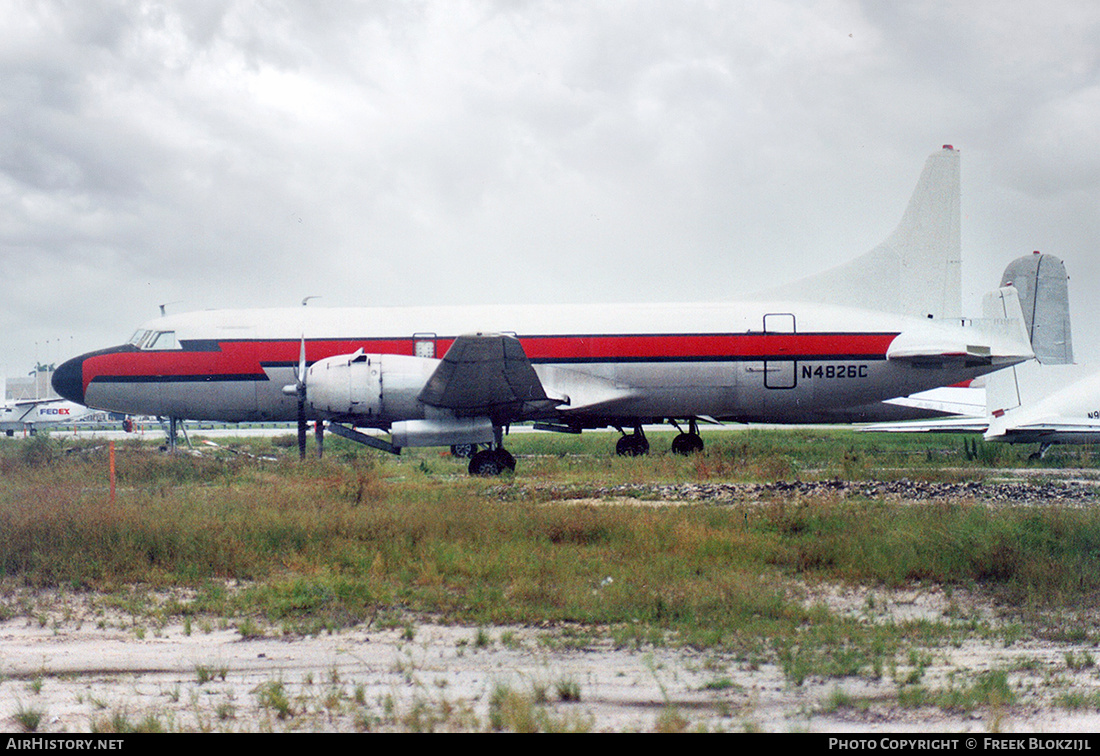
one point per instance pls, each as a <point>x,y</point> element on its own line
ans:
<point>367,388</point>
<point>442,431</point>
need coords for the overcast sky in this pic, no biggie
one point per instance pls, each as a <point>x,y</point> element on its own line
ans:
<point>214,154</point>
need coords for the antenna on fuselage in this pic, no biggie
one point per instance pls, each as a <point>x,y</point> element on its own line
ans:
<point>162,312</point>
<point>313,296</point>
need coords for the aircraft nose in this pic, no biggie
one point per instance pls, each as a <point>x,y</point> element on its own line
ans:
<point>68,379</point>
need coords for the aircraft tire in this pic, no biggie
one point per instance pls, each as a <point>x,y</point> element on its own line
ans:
<point>490,462</point>
<point>464,451</point>
<point>506,459</point>
<point>633,445</point>
<point>687,443</point>
<point>486,464</point>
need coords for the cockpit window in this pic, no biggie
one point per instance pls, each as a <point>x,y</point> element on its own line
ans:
<point>162,340</point>
<point>143,339</point>
<point>139,337</point>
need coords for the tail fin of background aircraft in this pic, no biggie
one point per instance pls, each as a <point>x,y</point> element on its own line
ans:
<point>1043,287</point>
<point>918,269</point>
<point>1002,391</point>
<point>1002,388</point>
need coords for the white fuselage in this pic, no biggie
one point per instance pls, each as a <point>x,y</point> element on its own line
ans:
<point>753,361</point>
<point>1068,416</point>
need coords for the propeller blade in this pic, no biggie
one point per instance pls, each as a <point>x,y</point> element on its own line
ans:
<point>302,364</point>
<point>301,425</point>
<point>302,400</point>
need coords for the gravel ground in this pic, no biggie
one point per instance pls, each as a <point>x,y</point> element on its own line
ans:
<point>1029,489</point>
<point>71,663</point>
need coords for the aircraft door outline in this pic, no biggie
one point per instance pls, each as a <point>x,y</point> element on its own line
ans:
<point>779,374</point>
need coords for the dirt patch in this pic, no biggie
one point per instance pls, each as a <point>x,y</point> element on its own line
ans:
<point>69,664</point>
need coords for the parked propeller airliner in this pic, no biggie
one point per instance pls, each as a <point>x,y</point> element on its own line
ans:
<point>576,367</point>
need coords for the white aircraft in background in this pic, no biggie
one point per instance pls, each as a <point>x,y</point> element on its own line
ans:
<point>33,414</point>
<point>27,415</point>
<point>1070,415</point>
<point>830,349</point>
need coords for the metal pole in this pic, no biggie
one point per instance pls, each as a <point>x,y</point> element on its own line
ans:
<point>111,454</point>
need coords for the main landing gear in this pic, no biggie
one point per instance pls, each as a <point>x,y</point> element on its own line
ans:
<point>464,451</point>
<point>489,462</point>
<point>633,444</point>
<point>636,445</point>
<point>172,429</point>
<point>493,460</point>
<point>1043,449</point>
<point>690,442</point>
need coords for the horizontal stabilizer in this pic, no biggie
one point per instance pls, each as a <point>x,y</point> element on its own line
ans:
<point>941,351</point>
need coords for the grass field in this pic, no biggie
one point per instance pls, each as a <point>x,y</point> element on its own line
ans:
<point>326,544</point>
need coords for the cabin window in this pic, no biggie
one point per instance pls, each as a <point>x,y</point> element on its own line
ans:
<point>424,344</point>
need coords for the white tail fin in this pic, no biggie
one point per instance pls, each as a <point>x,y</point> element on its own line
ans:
<point>918,269</point>
<point>1002,388</point>
<point>1002,391</point>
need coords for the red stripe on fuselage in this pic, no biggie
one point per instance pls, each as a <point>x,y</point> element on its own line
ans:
<point>707,346</point>
<point>242,359</point>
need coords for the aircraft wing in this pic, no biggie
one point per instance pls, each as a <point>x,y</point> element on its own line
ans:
<point>949,400</point>
<point>36,402</point>
<point>942,425</point>
<point>1053,430</point>
<point>1058,427</point>
<point>487,375</point>
<point>582,393</point>
<point>21,410</point>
